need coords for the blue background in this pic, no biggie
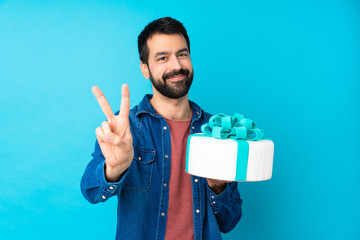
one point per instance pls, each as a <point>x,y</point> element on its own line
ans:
<point>292,66</point>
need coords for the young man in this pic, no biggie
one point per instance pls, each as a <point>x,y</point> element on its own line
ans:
<point>140,153</point>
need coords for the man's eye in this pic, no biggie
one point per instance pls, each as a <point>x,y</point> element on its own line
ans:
<point>162,59</point>
<point>183,55</point>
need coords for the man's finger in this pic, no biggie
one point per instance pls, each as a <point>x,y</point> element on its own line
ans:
<point>112,138</point>
<point>105,147</point>
<point>125,101</point>
<point>105,127</point>
<point>99,132</point>
<point>104,104</point>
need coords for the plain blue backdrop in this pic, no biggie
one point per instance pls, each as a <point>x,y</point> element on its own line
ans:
<point>292,66</point>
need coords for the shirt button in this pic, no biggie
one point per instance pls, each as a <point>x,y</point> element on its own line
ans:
<point>103,197</point>
<point>111,188</point>
<point>139,158</point>
<point>196,180</point>
<point>197,210</point>
<point>214,202</point>
<point>192,127</point>
<point>162,214</point>
<point>215,212</point>
<point>212,197</point>
<point>165,184</point>
<point>164,127</point>
<point>166,156</point>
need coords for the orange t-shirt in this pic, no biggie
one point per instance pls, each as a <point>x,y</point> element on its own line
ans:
<point>180,217</point>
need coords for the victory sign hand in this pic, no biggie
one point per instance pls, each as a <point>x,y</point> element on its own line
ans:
<point>114,135</point>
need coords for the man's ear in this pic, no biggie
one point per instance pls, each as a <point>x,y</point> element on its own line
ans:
<point>145,70</point>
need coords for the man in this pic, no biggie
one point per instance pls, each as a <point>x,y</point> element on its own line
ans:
<point>140,153</point>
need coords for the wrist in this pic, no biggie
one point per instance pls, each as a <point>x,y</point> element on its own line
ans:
<point>217,186</point>
<point>113,174</point>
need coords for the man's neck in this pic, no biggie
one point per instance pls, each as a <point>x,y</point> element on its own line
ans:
<point>173,109</point>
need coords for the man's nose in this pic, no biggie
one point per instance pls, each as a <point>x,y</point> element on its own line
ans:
<point>175,63</point>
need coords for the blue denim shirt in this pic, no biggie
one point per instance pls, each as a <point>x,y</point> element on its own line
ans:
<point>143,190</point>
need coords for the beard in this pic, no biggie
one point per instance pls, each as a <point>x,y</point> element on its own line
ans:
<point>173,90</point>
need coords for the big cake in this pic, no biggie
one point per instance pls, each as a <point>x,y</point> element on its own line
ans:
<point>230,148</point>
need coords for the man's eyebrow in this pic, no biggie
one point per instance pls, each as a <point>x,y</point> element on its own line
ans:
<point>161,53</point>
<point>168,53</point>
<point>183,50</point>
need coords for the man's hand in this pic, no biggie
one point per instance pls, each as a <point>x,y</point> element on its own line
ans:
<point>218,186</point>
<point>114,136</point>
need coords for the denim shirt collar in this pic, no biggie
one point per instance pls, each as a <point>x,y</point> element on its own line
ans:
<point>146,107</point>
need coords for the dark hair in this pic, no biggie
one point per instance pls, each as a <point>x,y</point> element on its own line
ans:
<point>166,25</point>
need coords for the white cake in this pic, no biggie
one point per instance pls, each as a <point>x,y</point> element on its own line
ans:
<point>228,159</point>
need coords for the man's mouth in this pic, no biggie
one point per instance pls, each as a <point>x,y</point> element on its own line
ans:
<point>176,78</point>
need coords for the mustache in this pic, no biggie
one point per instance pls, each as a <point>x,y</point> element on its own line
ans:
<point>176,72</point>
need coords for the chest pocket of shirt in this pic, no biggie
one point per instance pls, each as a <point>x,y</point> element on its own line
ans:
<point>140,171</point>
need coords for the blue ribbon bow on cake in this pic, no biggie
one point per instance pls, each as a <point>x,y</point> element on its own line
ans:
<point>236,127</point>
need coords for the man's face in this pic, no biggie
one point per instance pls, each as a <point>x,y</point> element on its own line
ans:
<point>169,65</point>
